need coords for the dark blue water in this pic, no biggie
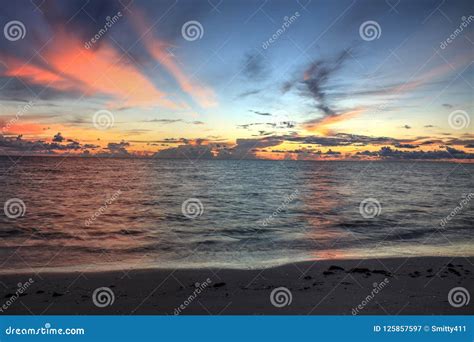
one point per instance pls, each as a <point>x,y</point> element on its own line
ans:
<point>89,214</point>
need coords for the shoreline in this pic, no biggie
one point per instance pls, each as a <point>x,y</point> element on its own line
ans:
<point>115,269</point>
<point>413,285</point>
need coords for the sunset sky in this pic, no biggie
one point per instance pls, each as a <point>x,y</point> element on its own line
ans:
<point>243,87</point>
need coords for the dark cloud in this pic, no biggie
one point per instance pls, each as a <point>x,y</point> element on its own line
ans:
<point>246,126</point>
<point>58,138</point>
<point>407,127</point>
<point>341,139</point>
<point>118,149</point>
<point>185,152</point>
<point>164,121</point>
<point>247,148</point>
<point>249,93</point>
<point>254,66</point>
<point>242,149</point>
<point>19,146</point>
<point>263,133</point>
<point>410,146</point>
<point>448,153</point>
<point>260,113</point>
<point>316,81</point>
<point>335,153</point>
<point>14,89</point>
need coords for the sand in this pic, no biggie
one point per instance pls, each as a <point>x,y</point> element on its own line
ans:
<point>403,286</point>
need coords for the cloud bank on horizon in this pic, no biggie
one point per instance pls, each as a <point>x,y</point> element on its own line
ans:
<point>262,79</point>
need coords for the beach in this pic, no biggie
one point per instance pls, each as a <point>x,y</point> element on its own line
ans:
<point>392,286</point>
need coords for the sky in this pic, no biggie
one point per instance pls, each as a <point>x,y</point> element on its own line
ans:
<point>269,79</point>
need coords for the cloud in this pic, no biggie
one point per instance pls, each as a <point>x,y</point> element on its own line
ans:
<point>194,149</point>
<point>260,113</point>
<point>58,138</point>
<point>448,153</point>
<point>73,69</point>
<point>202,94</point>
<point>318,85</point>
<point>247,148</point>
<point>118,149</point>
<point>66,68</point>
<point>407,127</point>
<point>321,124</point>
<point>185,152</point>
<point>164,121</point>
<point>406,145</point>
<point>315,84</point>
<point>316,78</point>
<point>254,66</point>
<point>19,146</point>
<point>171,121</point>
<point>249,93</point>
<point>137,131</point>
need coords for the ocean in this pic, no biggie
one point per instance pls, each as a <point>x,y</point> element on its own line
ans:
<point>89,214</point>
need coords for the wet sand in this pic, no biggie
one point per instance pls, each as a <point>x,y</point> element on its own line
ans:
<point>403,286</point>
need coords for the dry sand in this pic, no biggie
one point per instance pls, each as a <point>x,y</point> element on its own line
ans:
<point>412,286</point>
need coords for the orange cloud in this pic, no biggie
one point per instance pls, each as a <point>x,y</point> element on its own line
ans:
<point>203,95</point>
<point>34,74</point>
<point>105,71</point>
<point>21,128</point>
<point>102,71</point>
<point>320,125</point>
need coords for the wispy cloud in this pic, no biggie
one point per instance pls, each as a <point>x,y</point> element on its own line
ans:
<point>202,94</point>
<point>71,68</point>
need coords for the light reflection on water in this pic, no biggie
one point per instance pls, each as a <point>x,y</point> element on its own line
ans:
<point>142,224</point>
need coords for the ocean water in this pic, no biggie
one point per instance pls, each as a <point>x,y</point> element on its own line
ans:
<point>105,214</point>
